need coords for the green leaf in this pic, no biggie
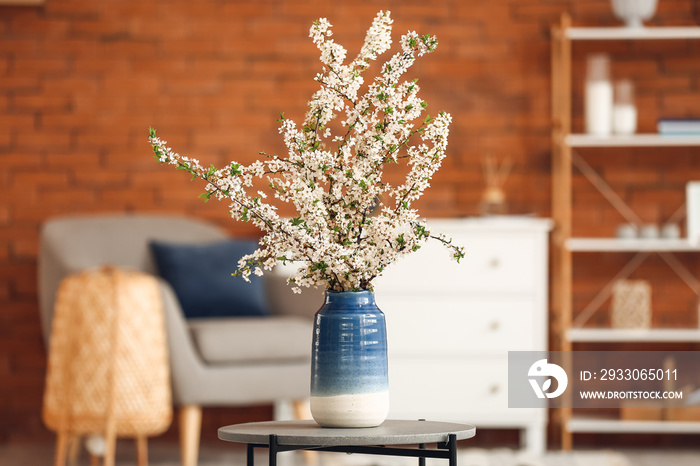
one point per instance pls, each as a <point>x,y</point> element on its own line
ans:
<point>322,266</point>
<point>158,154</point>
<point>401,241</point>
<point>421,231</point>
<point>235,169</point>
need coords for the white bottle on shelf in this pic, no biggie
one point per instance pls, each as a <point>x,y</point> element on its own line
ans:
<point>624,110</point>
<point>598,96</point>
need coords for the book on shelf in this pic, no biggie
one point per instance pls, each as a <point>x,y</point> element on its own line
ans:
<point>679,126</point>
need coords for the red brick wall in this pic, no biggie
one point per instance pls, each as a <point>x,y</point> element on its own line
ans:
<point>82,80</point>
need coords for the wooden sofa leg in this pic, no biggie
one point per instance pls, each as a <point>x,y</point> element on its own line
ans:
<point>190,427</point>
<point>301,409</point>
<point>302,412</point>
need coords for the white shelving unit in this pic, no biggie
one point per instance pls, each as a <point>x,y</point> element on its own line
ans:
<point>565,246</point>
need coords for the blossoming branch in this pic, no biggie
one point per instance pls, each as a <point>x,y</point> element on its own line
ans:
<point>351,224</point>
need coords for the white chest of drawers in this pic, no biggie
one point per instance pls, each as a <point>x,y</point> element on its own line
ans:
<point>450,326</point>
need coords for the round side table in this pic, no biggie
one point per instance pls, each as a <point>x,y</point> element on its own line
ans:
<point>279,436</point>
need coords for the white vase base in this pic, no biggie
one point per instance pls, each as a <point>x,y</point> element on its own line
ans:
<point>356,410</point>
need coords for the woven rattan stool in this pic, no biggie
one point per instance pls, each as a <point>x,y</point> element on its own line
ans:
<point>108,370</point>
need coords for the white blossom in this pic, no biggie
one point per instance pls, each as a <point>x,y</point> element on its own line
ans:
<point>350,223</point>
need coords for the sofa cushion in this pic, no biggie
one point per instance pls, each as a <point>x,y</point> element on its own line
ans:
<point>252,339</point>
<point>200,274</point>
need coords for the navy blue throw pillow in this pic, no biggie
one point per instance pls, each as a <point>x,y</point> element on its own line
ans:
<point>200,274</point>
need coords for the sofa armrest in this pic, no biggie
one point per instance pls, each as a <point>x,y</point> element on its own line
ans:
<point>186,364</point>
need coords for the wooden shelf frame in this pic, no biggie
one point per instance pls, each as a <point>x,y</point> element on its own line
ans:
<point>561,264</point>
<point>563,245</point>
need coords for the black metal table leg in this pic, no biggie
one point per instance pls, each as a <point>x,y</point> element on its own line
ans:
<point>452,441</point>
<point>421,446</point>
<point>421,459</point>
<point>273,450</point>
<point>250,457</point>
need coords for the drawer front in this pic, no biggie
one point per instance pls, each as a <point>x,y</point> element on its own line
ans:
<point>443,326</point>
<point>497,262</point>
<point>447,388</point>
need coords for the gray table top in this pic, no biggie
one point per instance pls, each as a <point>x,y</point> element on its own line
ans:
<point>391,432</point>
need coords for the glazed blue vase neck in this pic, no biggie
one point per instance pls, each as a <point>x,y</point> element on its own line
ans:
<point>344,300</point>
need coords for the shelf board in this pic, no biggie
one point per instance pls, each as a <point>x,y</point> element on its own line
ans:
<point>629,33</point>
<point>634,335</point>
<point>634,140</point>
<point>22,2</point>
<point>630,245</point>
<point>577,424</point>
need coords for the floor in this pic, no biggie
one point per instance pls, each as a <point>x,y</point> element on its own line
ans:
<point>166,454</point>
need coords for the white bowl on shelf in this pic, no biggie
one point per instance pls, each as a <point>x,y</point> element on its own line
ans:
<point>633,12</point>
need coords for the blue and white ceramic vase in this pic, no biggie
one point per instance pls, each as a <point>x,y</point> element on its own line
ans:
<point>349,376</point>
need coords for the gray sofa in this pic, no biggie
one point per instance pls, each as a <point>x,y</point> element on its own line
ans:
<point>214,361</point>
